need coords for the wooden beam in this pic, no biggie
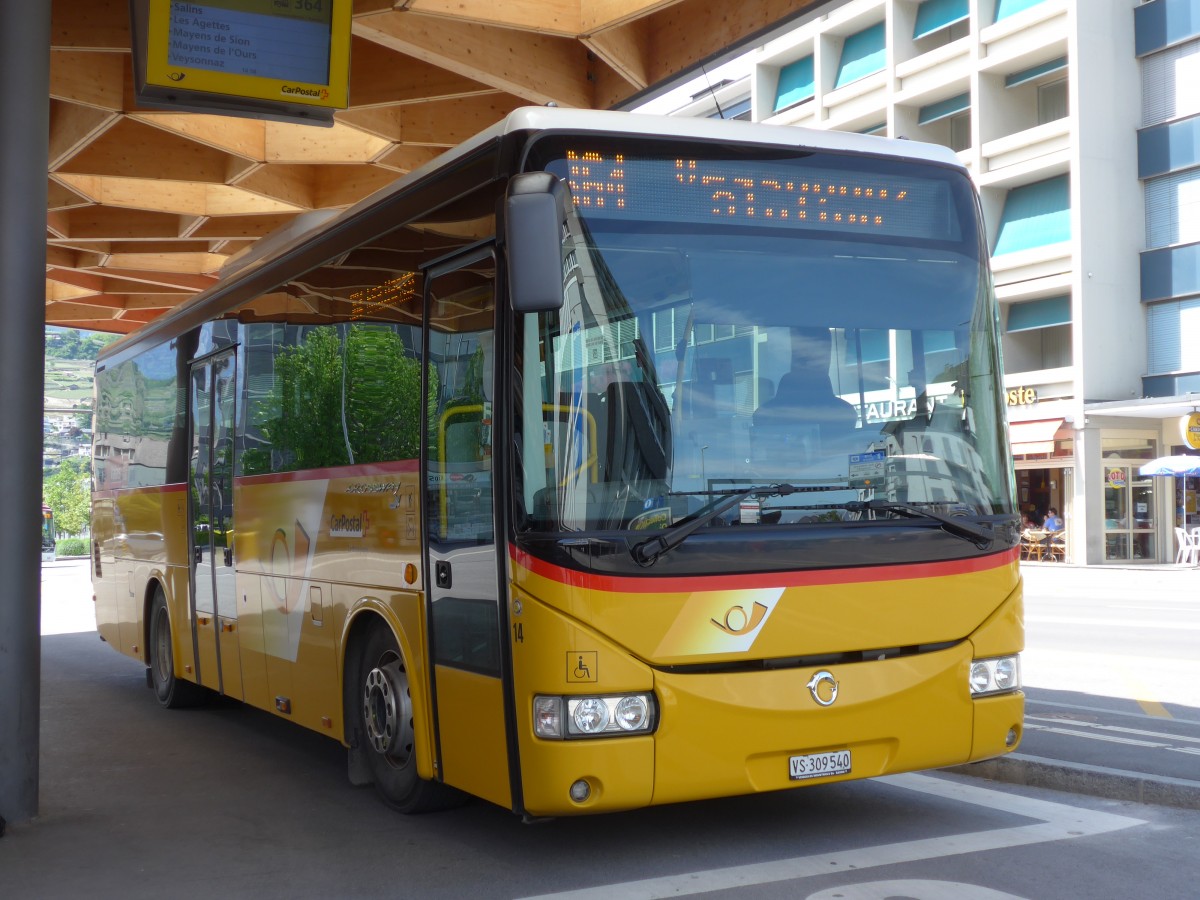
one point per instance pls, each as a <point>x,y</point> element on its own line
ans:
<point>87,281</point>
<point>89,24</point>
<point>561,17</point>
<point>74,127</point>
<point>59,196</point>
<point>627,51</point>
<point>153,301</point>
<point>150,247</point>
<point>142,316</point>
<point>346,185</point>
<point>381,76</point>
<point>185,198</point>
<point>236,227</point>
<point>289,143</point>
<point>73,315</point>
<point>294,185</point>
<point>173,282</point>
<point>457,120</point>
<point>601,14</point>
<point>61,257</point>
<point>537,68</point>
<point>608,87</point>
<point>406,157</point>
<point>99,223</point>
<point>242,137</point>
<point>179,262</point>
<point>684,34</point>
<point>132,149</point>
<point>382,121</point>
<point>95,79</point>
<point>59,290</point>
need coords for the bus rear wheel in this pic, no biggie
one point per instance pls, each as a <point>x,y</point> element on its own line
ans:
<point>172,692</point>
<point>384,724</point>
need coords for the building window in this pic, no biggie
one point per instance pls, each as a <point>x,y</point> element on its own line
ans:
<point>795,83</point>
<point>1037,334</point>
<point>955,116</point>
<point>960,132</point>
<point>1035,215</point>
<point>1052,101</point>
<point>1173,209</point>
<point>1006,8</point>
<point>863,53</point>
<point>1173,336</point>
<point>1171,84</point>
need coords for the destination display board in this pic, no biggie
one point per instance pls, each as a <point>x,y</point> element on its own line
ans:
<point>285,59</point>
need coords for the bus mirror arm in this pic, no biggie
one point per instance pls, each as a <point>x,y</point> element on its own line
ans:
<point>534,211</point>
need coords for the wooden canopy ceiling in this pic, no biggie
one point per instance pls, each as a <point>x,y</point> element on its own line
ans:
<point>145,206</point>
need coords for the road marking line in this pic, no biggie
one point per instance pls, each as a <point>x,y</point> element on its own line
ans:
<point>1121,729</point>
<point>1034,701</point>
<point>1058,822</point>
<point>1154,708</point>
<point>1093,736</point>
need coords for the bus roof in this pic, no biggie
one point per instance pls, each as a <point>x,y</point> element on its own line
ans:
<point>527,120</point>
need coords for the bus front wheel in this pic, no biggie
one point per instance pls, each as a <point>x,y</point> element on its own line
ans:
<point>172,692</point>
<point>385,730</point>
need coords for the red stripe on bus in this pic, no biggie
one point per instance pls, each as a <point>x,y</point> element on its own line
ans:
<point>806,578</point>
<point>366,470</point>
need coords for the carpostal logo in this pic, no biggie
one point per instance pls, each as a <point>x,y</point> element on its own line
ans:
<point>344,526</point>
<point>292,90</point>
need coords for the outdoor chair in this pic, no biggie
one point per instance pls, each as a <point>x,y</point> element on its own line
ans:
<point>1188,553</point>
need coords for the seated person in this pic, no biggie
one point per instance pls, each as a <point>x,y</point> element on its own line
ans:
<point>1053,521</point>
<point>805,414</point>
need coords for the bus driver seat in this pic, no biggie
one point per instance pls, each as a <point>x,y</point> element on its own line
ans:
<point>805,420</point>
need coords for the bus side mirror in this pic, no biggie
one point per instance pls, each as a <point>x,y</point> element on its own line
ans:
<point>534,210</point>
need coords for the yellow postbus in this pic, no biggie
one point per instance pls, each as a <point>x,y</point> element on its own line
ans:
<point>606,461</point>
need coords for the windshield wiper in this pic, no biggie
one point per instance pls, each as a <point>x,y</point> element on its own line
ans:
<point>958,526</point>
<point>646,552</point>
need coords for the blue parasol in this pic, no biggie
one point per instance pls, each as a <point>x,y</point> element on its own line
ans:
<point>1171,465</point>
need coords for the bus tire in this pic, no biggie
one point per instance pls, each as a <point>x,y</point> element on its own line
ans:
<point>172,692</point>
<point>385,733</point>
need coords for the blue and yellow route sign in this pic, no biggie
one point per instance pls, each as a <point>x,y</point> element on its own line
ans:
<point>292,56</point>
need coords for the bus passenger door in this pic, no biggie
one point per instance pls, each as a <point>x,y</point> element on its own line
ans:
<point>210,476</point>
<point>465,612</point>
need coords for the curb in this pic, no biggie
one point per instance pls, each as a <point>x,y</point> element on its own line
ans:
<point>1080,778</point>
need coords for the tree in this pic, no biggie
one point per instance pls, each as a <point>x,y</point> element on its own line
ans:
<point>343,395</point>
<point>68,492</point>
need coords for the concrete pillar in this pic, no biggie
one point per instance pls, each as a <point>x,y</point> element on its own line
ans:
<point>24,147</point>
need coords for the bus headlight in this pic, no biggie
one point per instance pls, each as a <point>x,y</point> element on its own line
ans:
<point>558,718</point>
<point>995,676</point>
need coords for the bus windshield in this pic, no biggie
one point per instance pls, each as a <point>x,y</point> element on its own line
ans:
<point>819,320</point>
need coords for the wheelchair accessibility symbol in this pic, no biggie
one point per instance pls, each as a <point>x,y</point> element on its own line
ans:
<point>581,665</point>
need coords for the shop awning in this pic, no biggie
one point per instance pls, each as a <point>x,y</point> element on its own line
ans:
<point>1033,437</point>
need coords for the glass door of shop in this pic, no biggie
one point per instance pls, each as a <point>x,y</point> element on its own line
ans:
<point>1129,514</point>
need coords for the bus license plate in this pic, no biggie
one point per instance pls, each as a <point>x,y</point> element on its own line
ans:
<point>819,765</point>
